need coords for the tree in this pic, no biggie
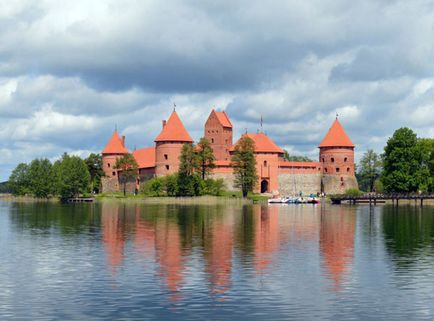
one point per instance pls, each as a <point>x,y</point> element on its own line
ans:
<point>40,178</point>
<point>129,169</point>
<point>401,161</point>
<point>19,181</point>
<point>188,184</point>
<point>294,158</point>
<point>205,157</point>
<point>369,170</point>
<point>425,174</point>
<point>94,166</point>
<point>71,175</point>
<point>244,164</point>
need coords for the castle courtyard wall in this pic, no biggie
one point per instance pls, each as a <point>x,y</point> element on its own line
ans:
<point>294,183</point>
<point>336,184</point>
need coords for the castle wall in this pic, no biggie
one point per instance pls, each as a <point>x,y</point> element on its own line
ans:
<point>108,162</point>
<point>337,160</point>
<point>335,184</point>
<point>294,183</point>
<point>167,157</point>
<point>109,184</point>
<point>228,178</point>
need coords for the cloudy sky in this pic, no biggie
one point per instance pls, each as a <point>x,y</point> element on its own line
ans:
<point>70,71</point>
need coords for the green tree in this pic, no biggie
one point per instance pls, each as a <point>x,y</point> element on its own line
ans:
<point>369,170</point>
<point>401,160</point>
<point>294,158</point>
<point>94,166</point>
<point>244,164</point>
<point>71,175</point>
<point>19,180</point>
<point>40,175</point>
<point>425,174</point>
<point>129,169</point>
<point>188,184</point>
<point>205,157</point>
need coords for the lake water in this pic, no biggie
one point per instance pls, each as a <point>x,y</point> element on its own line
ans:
<point>114,261</point>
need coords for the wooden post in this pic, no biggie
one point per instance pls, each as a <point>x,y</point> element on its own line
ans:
<point>421,202</point>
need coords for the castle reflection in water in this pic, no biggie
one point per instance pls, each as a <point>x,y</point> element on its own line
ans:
<point>165,237</point>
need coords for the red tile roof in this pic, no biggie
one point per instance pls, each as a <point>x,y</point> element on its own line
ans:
<point>263,144</point>
<point>223,119</point>
<point>174,130</point>
<point>115,145</point>
<point>299,164</point>
<point>336,137</point>
<point>145,157</point>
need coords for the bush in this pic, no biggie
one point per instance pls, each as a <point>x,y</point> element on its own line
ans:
<point>214,186</point>
<point>353,192</point>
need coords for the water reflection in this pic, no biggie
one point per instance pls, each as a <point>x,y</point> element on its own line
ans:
<point>337,242</point>
<point>230,255</point>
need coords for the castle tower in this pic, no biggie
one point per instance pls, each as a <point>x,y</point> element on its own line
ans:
<point>336,154</point>
<point>218,130</point>
<point>168,145</point>
<point>114,149</point>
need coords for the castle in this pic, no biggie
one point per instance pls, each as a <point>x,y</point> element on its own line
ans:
<point>333,173</point>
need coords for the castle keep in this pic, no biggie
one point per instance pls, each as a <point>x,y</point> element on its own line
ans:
<point>333,173</point>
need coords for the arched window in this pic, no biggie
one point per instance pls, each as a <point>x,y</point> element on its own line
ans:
<point>212,140</point>
<point>265,163</point>
<point>333,160</point>
<point>323,160</point>
<point>167,167</point>
<point>348,169</point>
<point>108,165</point>
<point>166,156</point>
<point>114,173</point>
<point>325,170</point>
<point>345,159</point>
<point>337,169</point>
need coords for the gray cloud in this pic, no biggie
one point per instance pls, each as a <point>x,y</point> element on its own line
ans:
<point>69,73</point>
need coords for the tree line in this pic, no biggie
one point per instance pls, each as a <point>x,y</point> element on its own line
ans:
<point>405,166</point>
<point>68,176</point>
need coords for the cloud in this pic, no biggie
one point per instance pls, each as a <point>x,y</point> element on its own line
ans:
<point>72,71</point>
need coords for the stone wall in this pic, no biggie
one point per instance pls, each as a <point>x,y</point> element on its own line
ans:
<point>109,184</point>
<point>228,178</point>
<point>334,184</point>
<point>293,184</point>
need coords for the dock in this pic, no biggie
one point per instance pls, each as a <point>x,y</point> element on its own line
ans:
<point>373,198</point>
<point>79,200</point>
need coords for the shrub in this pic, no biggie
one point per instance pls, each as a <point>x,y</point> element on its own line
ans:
<point>353,192</point>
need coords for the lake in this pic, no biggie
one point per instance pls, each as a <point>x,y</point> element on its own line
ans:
<point>122,261</point>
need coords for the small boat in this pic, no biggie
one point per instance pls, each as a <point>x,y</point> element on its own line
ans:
<point>313,200</point>
<point>277,200</point>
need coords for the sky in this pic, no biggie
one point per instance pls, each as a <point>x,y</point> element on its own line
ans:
<point>73,71</point>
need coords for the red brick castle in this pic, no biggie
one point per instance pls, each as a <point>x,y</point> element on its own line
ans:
<point>334,173</point>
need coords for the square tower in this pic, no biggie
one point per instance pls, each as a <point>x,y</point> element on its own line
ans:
<point>218,130</point>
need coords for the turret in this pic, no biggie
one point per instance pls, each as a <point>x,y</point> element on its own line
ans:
<point>218,130</point>
<point>114,149</point>
<point>168,145</point>
<point>336,154</point>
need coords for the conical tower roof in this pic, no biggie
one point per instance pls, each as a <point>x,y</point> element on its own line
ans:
<point>174,130</point>
<point>115,145</point>
<point>336,137</point>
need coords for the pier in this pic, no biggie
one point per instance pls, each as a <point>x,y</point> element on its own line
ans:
<point>373,198</point>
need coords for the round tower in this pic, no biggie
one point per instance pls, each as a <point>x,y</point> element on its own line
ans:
<point>168,145</point>
<point>336,154</point>
<point>114,149</point>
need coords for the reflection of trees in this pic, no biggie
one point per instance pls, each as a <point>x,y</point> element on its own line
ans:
<point>40,217</point>
<point>408,233</point>
<point>337,242</point>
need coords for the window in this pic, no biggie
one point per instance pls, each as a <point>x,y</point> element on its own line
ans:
<point>108,165</point>
<point>114,173</point>
<point>212,140</point>
<point>325,170</point>
<point>333,160</point>
<point>348,169</point>
<point>166,157</point>
<point>319,168</point>
<point>345,159</point>
<point>265,163</point>
<point>323,160</point>
<point>337,169</point>
<point>167,167</point>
